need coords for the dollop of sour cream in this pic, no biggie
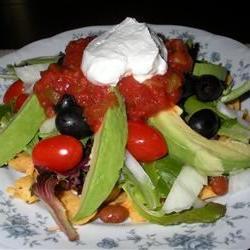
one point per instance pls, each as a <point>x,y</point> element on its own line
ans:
<point>129,48</point>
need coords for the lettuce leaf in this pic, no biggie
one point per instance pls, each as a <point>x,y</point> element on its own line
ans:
<point>231,128</point>
<point>208,214</point>
<point>163,173</point>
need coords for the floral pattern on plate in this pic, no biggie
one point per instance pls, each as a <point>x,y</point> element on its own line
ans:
<point>25,226</point>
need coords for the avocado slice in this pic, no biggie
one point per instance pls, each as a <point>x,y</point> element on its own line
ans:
<point>211,157</point>
<point>21,129</point>
<point>205,68</point>
<point>107,159</point>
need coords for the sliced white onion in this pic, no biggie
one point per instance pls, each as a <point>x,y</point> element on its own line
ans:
<point>225,110</point>
<point>199,203</point>
<point>137,170</point>
<point>48,125</point>
<point>241,120</point>
<point>30,74</point>
<point>185,190</point>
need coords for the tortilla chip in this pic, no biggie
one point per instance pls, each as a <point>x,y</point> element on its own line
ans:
<point>22,163</point>
<point>235,105</point>
<point>248,117</point>
<point>22,189</point>
<point>207,192</point>
<point>124,201</point>
<point>229,80</point>
<point>71,202</point>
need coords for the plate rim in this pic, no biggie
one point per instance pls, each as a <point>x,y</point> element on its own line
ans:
<point>103,27</point>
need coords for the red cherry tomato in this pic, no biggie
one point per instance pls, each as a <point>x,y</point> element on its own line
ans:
<point>58,153</point>
<point>14,90</point>
<point>20,101</point>
<point>144,142</point>
<point>219,184</point>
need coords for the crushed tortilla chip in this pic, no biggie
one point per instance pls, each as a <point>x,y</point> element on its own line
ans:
<point>71,202</point>
<point>235,105</point>
<point>124,201</point>
<point>248,117</point>
<point>207,192</point>
<point>229,80</point>
<point>22,189</point>
<point>224,138</point>
<point>22,163</point>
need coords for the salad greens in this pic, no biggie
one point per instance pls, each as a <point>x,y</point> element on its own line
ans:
<point>44,188</point>
<point>136,173</point>
<point>6,114</point>
<point>4,109</point>
<point>210,213</point>
<point>192,105</point>
<point>29,68</point>
<point>163,173</point>
<point>237,92</point>
<point>232,129</point>
<point>229,127</point>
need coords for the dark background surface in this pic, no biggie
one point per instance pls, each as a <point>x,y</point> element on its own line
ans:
<point>24,21</point>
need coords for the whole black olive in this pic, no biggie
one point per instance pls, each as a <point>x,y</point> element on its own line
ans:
<point>71,122</point>
<point>188,86</point>
<point>208,88</point>
<point>205,122</point>
<point>66,101</point>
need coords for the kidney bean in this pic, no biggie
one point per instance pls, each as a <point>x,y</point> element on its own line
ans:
<point>113,214</point>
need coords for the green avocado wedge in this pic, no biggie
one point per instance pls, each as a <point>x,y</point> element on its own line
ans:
<point>210,157</point>
<point>21,129</point>
<point>107,159</point>
<point>205,68</point>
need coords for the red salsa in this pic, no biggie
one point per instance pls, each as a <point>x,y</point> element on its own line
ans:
<point>142,100</point>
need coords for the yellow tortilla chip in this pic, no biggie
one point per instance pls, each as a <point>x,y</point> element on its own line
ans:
<point>22,189</point>
<point>248,117</point>
<point>22,163</point>
<point>207,192</point>
<point>71,202</point>
<point>124,201</point>
<point>235,105</point>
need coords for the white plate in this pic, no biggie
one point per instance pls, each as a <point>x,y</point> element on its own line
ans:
<point>25,226</point>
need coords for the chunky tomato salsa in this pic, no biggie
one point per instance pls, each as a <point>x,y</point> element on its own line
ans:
<point>142,100</point>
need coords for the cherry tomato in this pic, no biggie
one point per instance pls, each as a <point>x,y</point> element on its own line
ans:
<point>12,93</point>
<point>58,153</point>
<point>219,184</point>
<point>20,101</point>
<point>144,142</point>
